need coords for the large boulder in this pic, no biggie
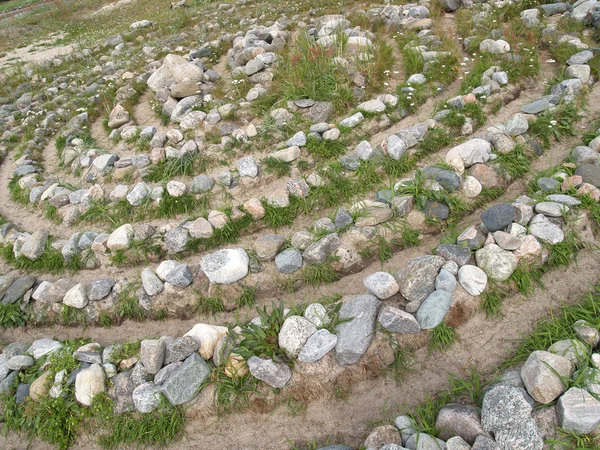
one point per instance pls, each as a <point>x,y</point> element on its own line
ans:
<point>578,411</point>
<point>89,383</point>
<point>355,335</point>
<point>417,279</point>
<point>225,266</point>
<point>294,333</point>
<point>543,374</point>
<point>184,383</point>
<point>498,263</point>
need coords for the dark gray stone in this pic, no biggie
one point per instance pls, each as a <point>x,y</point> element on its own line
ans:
<point>436,210</point>
<point>179,349</point>
<point>449,179</point>
<point>457,253</point>
<point>18,288</point>
<point>498,217</point>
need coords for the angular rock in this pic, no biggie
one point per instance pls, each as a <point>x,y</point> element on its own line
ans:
<point>398,321</point>
<point>355,335</point>
<point>184,383</point>
<point>294,333</point>
<point>317,346</point>
<point>578,411</point>
<point>541,375</point>
<point>274,374</point>
<point>459,420</point>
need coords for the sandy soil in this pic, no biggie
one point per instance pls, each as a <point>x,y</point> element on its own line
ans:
<point>38,52</point>
<point>483,343</point>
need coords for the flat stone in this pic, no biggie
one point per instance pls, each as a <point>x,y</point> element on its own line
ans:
<point>398,321</point>
<point>317,346</point>
<point>578,411</point>
<point>19,362</point>
<point>184,383</point>
<point>504,407</point>
<point>543,229</point>
<point>551,209</point>
<point>355,335</point>
<point>180,349</point>
<point>536,107</point>
<point>274,374</point>
<point>472,279</point>
<point>18,289</point>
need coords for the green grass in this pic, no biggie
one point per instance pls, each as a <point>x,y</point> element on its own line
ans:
<point>558,326</point>
<point>317,274</point>
<point>263,341</point>
<point>128,306</point>
<point>168,169</point>
<point>276,166</point>
<point>12,4</point>
<point>526,278</point>
<point>247,298</point>
<point>435,140</point>
<point>158,428</point>
<point>51,260</point>
<point>309,71</point>
<point>232,394</point>
<point>442,337</point>
<point>209,305</point>
<point>322,149</point>
<point>11,316</point>
<point>555,124</point>
<point>516,163</point>
<point>491,300</point>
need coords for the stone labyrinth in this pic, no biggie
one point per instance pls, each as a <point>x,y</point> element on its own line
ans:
<point>258,207</point>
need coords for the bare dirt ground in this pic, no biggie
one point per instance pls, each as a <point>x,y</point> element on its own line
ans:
<point>38,52</point>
